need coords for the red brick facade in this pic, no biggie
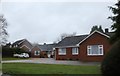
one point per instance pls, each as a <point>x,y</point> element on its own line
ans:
<point>68,55</point>
<point>42,53</point>
<point>33,52</point>
<point>94,39</point>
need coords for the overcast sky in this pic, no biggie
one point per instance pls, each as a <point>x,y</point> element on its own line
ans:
<point>43,21</point>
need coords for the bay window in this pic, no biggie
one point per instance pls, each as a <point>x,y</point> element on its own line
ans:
<point>95,50</point>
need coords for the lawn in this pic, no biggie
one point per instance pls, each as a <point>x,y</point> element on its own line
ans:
<point>12,58</point>
<point>30,68</point>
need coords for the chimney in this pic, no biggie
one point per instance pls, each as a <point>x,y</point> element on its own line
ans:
<point>106,30</point>
<point>44,43</point>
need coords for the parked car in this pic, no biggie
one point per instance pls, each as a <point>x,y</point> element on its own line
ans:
<point>22,55</point>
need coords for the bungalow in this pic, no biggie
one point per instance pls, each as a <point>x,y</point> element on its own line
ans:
<point>42,51</point>
<point>91,47</point>
<point>24,44</point>
<point>35,51</point>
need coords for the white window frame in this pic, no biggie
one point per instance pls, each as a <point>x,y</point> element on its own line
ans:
<point>16,45</point>
<point>61,53</point>
<point>74,51</point>
<point>100,48</point>
<point>38,53</point>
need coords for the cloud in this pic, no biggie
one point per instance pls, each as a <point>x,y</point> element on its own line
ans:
<point>44,22</point>
<point>59,0</point>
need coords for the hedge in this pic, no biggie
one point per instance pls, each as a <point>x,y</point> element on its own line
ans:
<point>111,63</point>
<point>8,52</point>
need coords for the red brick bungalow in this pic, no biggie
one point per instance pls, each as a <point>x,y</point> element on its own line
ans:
<point>92,47</point>
<point>42,51</point>
<point>35,52</point>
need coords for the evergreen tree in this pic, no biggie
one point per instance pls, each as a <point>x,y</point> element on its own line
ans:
<point>111,63</point>
<point>116,22</point>
<point>98,28</point>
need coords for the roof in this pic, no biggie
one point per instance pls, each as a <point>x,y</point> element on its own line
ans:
<point>71,41</point>
<point>104,34</point>
<point>18,42</point>
<point>47,47</point>
<point>110,33</point>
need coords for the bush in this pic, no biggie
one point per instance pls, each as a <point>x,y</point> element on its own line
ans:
<point>111,63</point>
<point>8,52</point>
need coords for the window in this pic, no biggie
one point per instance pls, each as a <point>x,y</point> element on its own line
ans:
<point>37,53</point>
<point>95,50</point>
<point>62,51</point>
<point>74,51</point>
<point>16,45</point>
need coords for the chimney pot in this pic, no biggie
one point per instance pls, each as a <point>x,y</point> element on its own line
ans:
<point>44,43</point>
<point>106,30</point>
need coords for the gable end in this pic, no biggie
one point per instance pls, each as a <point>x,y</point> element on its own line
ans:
<point>91,35</point>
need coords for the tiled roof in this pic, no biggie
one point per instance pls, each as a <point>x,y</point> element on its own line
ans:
<point>18,42</point>
<point>74,40</point>
<point>47,47</point>
<point>71,41</point>
<point>110,33</point>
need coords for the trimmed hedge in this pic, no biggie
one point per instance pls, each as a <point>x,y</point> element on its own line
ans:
<point>8,52</point>
<point>111,63</point>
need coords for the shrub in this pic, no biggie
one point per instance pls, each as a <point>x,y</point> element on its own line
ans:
<point>111,63</point>
<point>8,52</point>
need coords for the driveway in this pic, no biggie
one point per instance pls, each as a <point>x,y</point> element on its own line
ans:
<point>51,61</point>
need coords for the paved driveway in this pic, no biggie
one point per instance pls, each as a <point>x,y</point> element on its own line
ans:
<point>51,61</point>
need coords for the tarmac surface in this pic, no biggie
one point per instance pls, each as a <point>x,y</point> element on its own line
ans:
<point>51,61</point>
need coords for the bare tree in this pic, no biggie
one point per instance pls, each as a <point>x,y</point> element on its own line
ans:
<point>64,35</point>
<point>3,32</point>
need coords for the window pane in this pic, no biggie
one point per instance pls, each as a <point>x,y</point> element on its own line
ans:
<point>89,51</point>
<point>94,49</point>
<point>74,50</point>
<point>37,52</point>
<point>62,51</point>
<point>100,49</point>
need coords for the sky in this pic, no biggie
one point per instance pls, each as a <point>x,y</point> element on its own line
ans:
<point>43,21</point>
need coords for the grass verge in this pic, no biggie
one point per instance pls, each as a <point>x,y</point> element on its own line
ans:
<point>29,68</point>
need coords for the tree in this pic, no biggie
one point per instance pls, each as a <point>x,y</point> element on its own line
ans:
<point>111,63</point>
<point>98,28</point>
<point>8,52</point>
<point>116,22</point>
<point>3,32</point>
